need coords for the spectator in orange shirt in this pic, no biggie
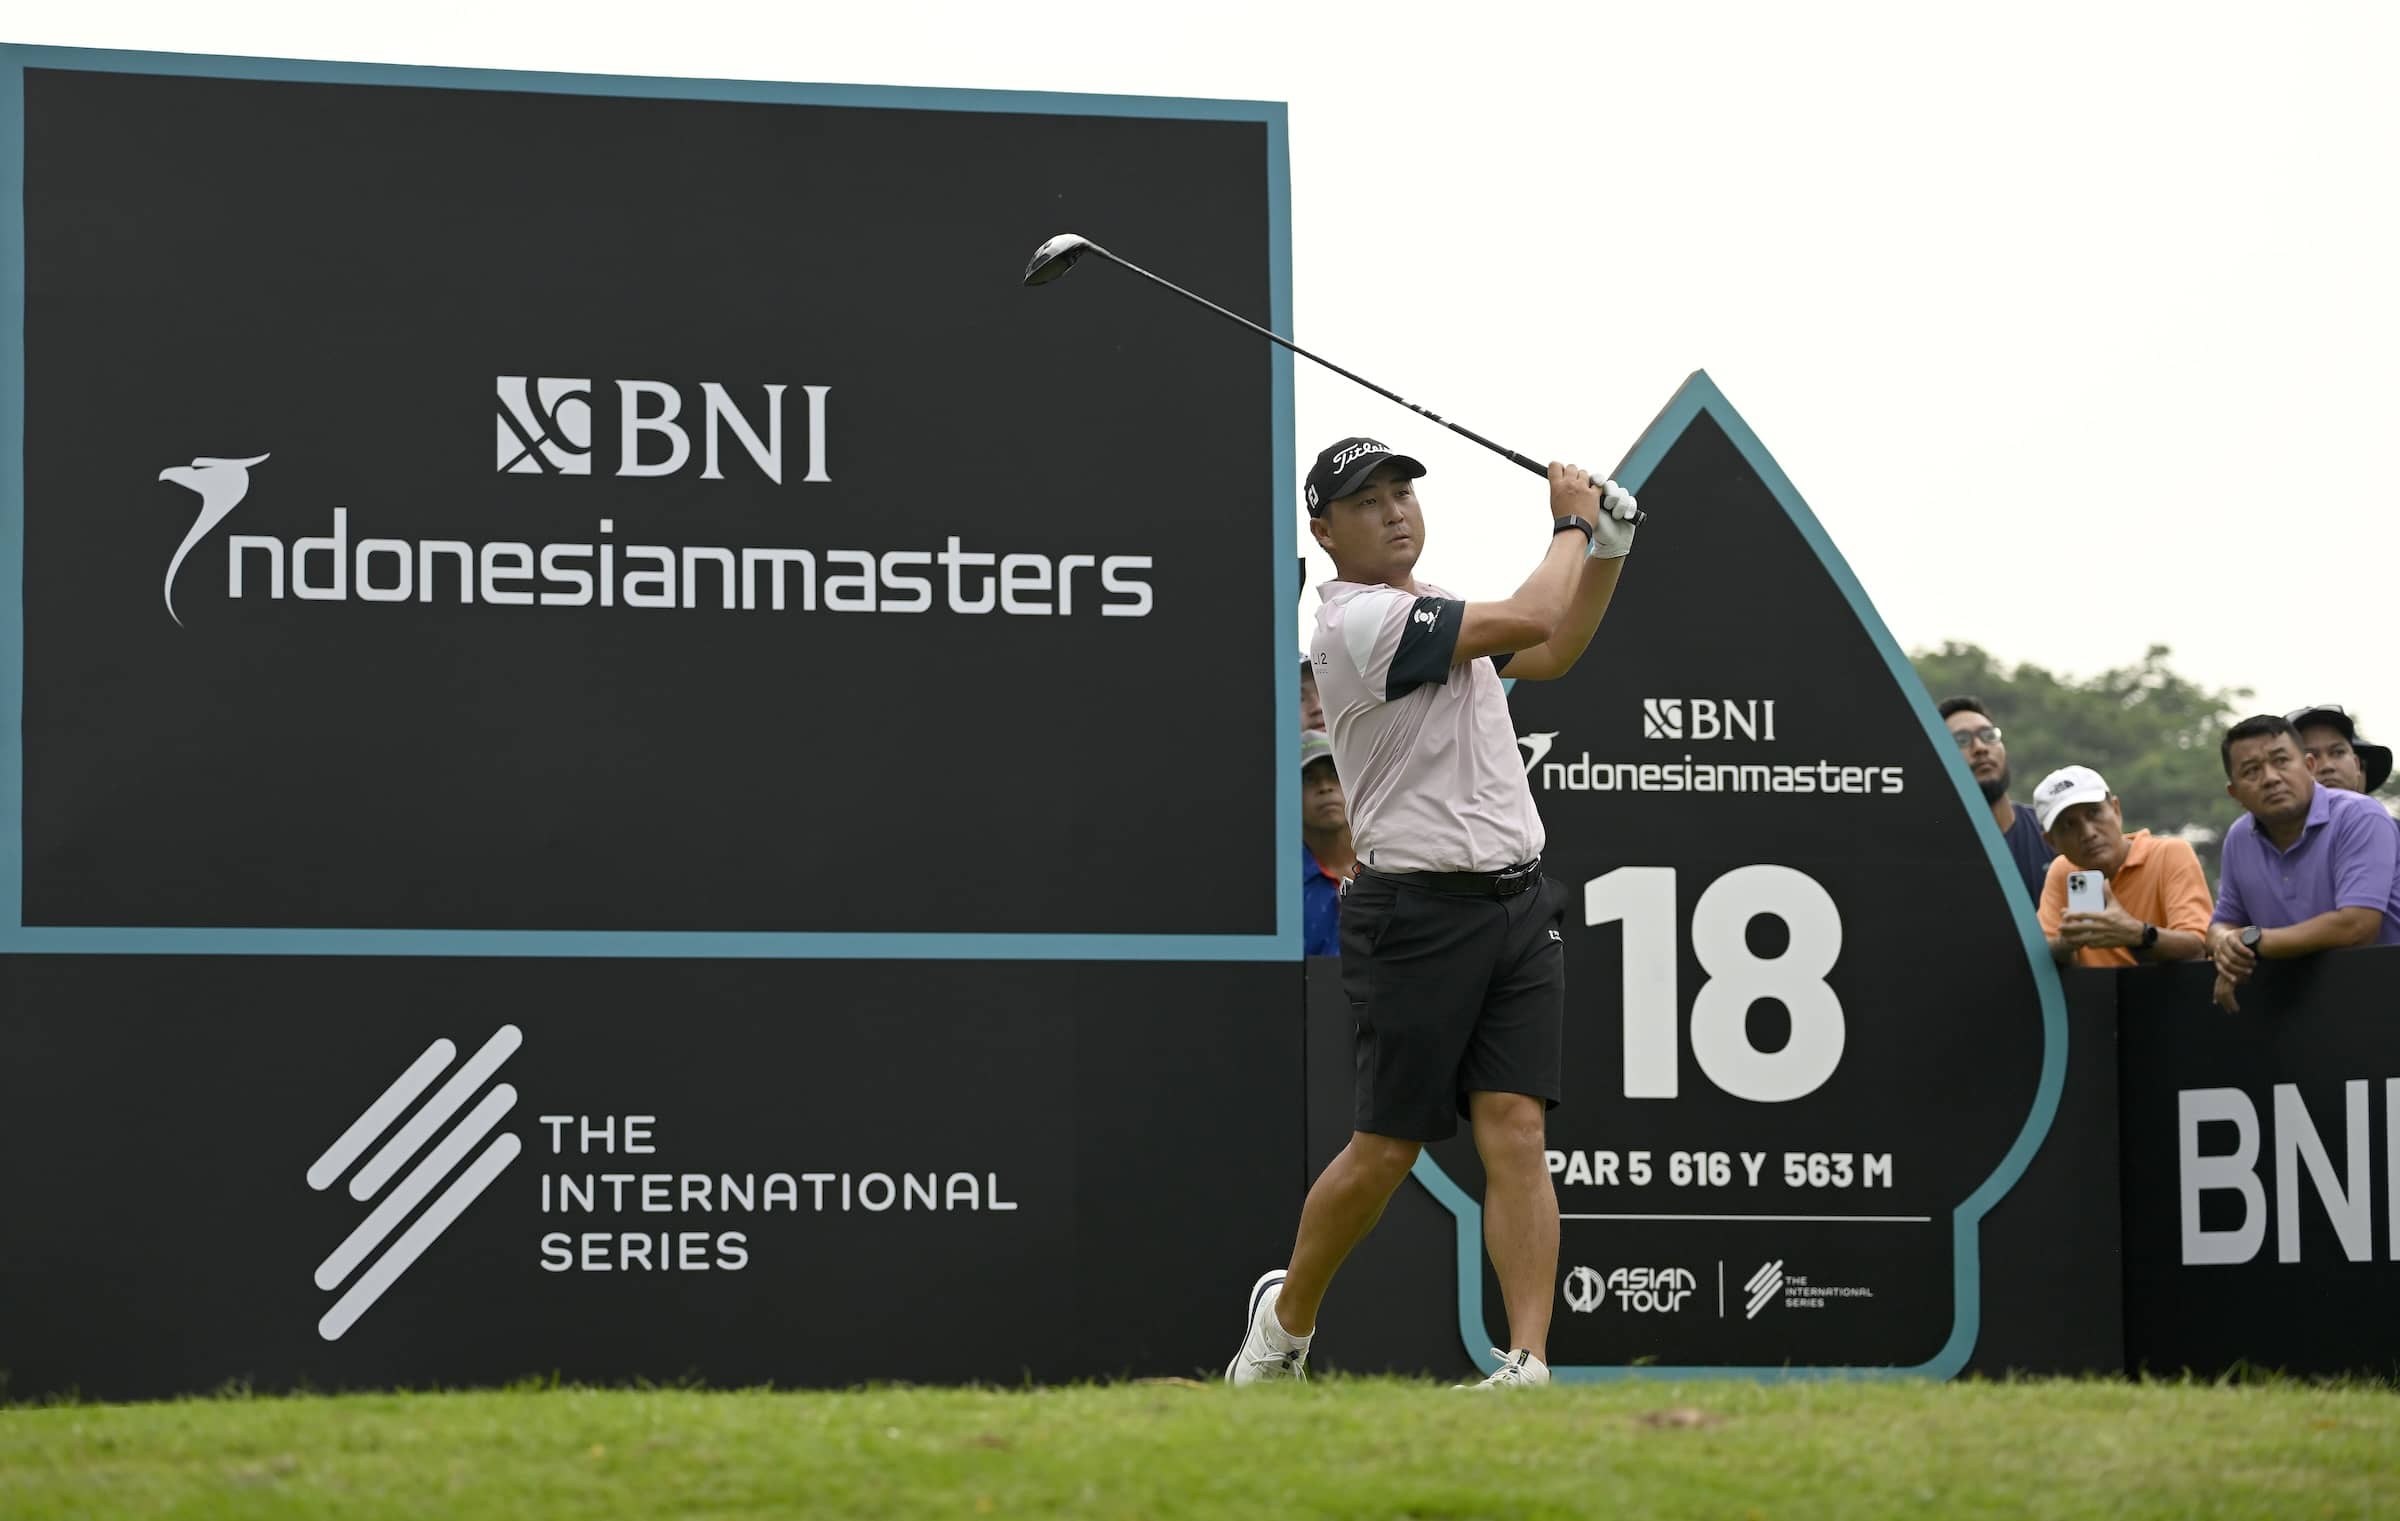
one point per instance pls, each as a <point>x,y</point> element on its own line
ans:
<point>2157,899</point>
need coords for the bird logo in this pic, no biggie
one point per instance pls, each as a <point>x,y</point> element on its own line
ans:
<point>221,484</point>
<point>1535,747</point>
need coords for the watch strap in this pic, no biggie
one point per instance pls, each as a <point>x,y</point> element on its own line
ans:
<point>1572,523</point>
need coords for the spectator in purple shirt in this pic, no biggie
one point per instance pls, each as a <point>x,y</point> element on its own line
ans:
<point>2306,868</point>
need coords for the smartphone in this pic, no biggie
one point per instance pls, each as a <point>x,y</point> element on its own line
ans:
<point>2086,892</point>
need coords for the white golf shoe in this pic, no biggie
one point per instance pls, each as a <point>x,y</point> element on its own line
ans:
<point>1517,1370</point>
<point>1268,1352</point>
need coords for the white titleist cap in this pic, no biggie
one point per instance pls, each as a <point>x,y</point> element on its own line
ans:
<point>2063,789</point>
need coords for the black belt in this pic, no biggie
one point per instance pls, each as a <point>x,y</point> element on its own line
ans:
<point>1506,883</point>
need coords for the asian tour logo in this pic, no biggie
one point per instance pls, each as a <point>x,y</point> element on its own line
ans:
<point>433,1171</point>
<point>1584,1290</point>
<point>1639,1291</point>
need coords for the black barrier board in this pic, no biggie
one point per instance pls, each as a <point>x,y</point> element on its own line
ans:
<point>1813,1034</point>
<point>2051,1254</point>
<point>494,513</point>
<point>810,1172</point>
<point>2262,1168</point>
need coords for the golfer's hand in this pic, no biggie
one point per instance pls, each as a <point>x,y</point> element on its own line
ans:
<point>1618,514</point>
<point>1573,493</point>
<point>2224,995</point>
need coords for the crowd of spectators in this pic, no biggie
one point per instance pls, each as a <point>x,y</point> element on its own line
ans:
<point>2311,864</point>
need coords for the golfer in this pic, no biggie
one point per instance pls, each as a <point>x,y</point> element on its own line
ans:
<point>1451,956</point>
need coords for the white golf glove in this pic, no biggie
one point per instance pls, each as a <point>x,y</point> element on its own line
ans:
<point>1612,536</point>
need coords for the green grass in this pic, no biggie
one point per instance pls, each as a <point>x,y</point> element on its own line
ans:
<point>1349,1448</point>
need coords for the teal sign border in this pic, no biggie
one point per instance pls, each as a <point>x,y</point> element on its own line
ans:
<point>1278,534</point>
<point>1699,394</point>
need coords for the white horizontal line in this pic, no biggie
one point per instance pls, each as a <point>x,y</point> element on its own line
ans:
<point>1864,1219</point>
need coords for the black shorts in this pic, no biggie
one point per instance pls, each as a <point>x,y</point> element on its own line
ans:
<point>1452,995</point>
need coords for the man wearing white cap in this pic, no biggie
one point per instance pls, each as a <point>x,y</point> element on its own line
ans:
<point>2156,896</point>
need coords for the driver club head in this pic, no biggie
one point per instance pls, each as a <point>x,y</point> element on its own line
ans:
<point>1056,257</point>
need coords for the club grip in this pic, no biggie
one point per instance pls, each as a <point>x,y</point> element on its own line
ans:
<point>1639,515</point>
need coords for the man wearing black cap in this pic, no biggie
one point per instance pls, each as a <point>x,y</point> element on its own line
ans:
<point>2336,755</point>
<point>1451,954</point>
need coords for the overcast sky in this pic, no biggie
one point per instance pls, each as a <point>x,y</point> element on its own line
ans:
<point>2075,324</point>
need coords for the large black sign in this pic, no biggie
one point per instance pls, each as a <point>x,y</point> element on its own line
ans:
<point>457,502</point>
<point>353,1172</point>
<point>2262,1168</point>
<point>1812,1036</point>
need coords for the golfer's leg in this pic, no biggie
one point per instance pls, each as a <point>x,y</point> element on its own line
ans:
<point>1346,1201</point>
<point>1520,1212</point>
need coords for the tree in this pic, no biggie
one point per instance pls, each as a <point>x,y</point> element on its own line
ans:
<point>2151,732</point>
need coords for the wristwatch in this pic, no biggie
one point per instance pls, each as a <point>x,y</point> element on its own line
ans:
<point>2251,935</point>
<point>2149,939</point>
<point>1572,522</point>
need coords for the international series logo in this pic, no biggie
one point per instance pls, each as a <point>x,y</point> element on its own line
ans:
<point>423,1154</point>
<point>398,1152</point>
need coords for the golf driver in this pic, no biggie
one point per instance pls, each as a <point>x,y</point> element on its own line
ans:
<point>1059,255</point>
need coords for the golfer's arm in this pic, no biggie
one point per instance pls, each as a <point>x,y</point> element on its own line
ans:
<point>1556,656</point>
<point>1529,617</point>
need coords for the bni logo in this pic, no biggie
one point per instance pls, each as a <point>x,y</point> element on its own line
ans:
<point>1702,718</point>
<point>428,1173</point>
<point>1763,1286</point>
<point>545,425</point>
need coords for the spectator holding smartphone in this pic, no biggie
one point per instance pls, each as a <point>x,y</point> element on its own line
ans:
<point>2148,897</point>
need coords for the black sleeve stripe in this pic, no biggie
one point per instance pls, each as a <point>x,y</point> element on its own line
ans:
<point>1427,641</point>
